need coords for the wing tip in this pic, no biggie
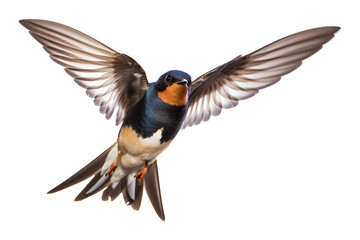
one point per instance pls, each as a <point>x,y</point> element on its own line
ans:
<point>334,28</point>
<point>27,22</point>
<point>23,22</point>
<point>331,27</point>
<point>328,30</point>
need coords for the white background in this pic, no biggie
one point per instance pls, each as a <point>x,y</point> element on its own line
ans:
<point>281,165</point>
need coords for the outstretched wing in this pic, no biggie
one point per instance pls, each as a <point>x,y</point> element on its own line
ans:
<point>114,80</point>
<point>243,76</point>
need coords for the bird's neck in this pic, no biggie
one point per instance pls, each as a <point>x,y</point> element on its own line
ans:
<point>151,114</point>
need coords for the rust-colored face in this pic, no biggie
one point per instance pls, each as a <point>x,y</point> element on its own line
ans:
<point>173,87</point>
<point>175,94</point>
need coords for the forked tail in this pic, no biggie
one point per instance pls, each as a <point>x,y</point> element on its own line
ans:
<point>120,181</point>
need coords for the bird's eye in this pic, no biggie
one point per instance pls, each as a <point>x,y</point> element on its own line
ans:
<point>168,78</point>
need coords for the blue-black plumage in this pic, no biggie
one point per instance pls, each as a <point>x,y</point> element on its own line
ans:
<point>151,113</point>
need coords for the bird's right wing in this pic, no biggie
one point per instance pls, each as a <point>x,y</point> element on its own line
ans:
<point>114,80</point>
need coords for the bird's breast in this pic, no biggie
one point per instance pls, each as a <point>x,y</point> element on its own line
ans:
<point>150,126</point>
<point>134,147</point>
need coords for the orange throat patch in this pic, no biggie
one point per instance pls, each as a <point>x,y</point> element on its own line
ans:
<point>174,95</point>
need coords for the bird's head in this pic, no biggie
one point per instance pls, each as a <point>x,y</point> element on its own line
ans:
<point>173,87</point>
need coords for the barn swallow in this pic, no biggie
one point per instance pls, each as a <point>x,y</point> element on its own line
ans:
<point>153,113</point>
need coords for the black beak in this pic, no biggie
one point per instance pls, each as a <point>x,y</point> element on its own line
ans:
<point>182,82</point>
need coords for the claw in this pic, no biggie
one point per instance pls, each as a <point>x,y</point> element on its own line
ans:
<point>141,174</point>
<point>113,165</point>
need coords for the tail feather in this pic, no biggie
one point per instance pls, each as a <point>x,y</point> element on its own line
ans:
<point>133,193</point>
<point>152,186</point>
<point>114,192</point>
<point>89,170</point>
<point>96,184</point>
<point>120,181</point>
<point>138,197</point>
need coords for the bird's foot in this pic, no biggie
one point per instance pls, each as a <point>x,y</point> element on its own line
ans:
<point>141,174</point>
<point>113,165</point>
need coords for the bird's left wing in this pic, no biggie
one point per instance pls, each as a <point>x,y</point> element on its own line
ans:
<point>114,80</point>
<point>243,76</point>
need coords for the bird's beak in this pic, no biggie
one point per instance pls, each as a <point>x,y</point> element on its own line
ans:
<point>182,82</point>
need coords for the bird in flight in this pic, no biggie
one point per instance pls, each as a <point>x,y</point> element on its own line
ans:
<point>153,113</point>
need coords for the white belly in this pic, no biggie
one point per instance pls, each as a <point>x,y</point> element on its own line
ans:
<point>135,150</point>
